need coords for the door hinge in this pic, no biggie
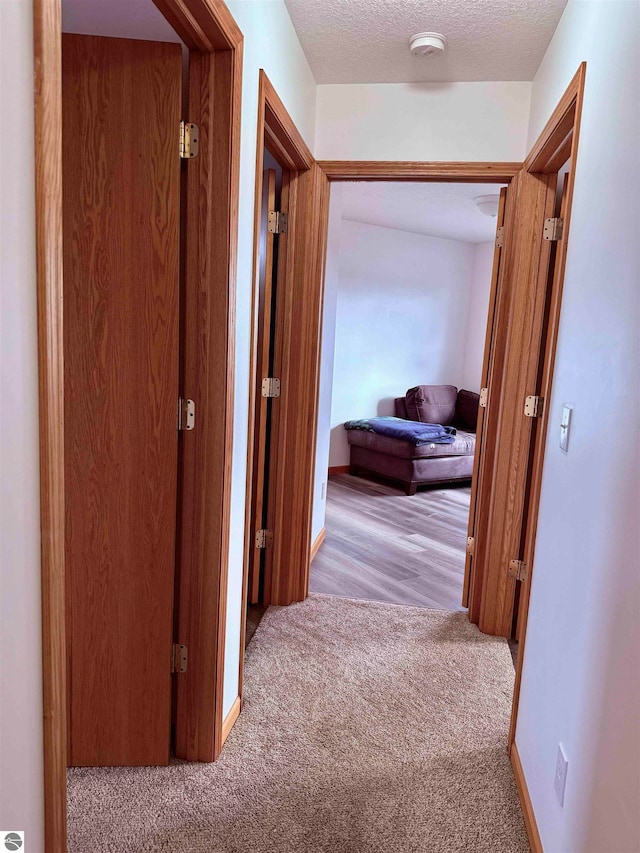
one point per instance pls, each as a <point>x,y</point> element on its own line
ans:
<point>553,228</point>
<point>179,657</point>
<point>271,387</point>
<point>264,538</point>
<point>471,546</point>
<point>500,237</point>
<point>186,414</point>
<point>277,223</point>
<point>484,394</point>
<point>533,406</point>
<point>189,133</point>
<point>518,570</point>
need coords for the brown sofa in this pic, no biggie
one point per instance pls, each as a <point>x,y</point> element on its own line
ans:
<point>428,463</point>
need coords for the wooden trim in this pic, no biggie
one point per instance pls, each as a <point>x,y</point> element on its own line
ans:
<point>211,217</point>
<point>554,145</point>
<point>203,25</point>
<point>394,170</point>
<point>317,543</point>
<point>48,185</point>
<point>230,720</point>
<point>540,436</point>
<point>334,470</point>
<point>525,801</point>
<point>281,136</point>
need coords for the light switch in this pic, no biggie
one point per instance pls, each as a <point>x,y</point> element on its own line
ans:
<point>565,426</point>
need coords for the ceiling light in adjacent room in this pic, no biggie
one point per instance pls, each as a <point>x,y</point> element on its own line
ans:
<point>487,204</point>
<point>427,44</point>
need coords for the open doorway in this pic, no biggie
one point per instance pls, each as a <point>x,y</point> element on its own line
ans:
<point>407,295</point>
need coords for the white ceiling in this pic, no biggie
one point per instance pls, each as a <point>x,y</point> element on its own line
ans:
<point>135,19</point>
<point>367,41</point>
<point>439,210</point>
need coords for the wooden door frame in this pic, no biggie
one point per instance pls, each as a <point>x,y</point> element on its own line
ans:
<point>557,143</point>
<point>277,132</point>
<point>215,43</point>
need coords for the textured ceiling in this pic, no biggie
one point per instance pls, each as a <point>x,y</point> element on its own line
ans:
<point>439,210</point>
<point>367,41</point>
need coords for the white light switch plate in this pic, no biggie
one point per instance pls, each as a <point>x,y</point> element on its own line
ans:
<point>560,778</point>
<point>565,426</point>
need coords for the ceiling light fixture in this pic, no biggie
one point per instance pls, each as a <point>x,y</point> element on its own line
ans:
<point>487,204</point>
<point>427,44</point>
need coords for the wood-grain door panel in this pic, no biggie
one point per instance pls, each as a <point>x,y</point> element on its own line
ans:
<point>520,319</point>
<point>482,454</point>
<point>121,110</point>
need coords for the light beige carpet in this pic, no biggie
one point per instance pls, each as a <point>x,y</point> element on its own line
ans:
<point>366,727</point>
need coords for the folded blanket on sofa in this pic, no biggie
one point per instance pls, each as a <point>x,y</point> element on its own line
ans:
<point>413,431</point>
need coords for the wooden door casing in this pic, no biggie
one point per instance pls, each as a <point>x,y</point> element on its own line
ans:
<point>121,110</point>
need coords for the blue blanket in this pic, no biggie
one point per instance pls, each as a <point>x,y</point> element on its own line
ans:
<point>413,431</point>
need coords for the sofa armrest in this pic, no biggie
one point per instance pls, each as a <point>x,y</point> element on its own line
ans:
<point>401,408</point>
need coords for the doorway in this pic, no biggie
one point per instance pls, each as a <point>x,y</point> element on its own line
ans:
<point>407,293</point>
<point>212,42</point>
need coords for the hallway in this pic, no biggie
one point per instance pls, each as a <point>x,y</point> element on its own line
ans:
<point>367,728</point>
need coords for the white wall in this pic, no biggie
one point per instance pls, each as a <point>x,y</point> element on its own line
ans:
<point>331,283</point>
<point>477,316</point>
<point>422,121</point>
<point>270,42</point>
<point>400,321</point>
<point>21,781</point>
<point>582,662</point>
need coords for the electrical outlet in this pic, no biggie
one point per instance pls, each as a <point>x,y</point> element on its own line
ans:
<point>560,778</point>
<point>323,490</point>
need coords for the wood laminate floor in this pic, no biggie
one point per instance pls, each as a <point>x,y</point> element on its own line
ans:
<point>383,545</point>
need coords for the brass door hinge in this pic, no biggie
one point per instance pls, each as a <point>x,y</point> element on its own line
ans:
<point>186,414</point>
<point>533,406</point>
<point>471,546</point>
<point>484,395</point>
<point>179,657</point>
<point>553,228</point>
<point>277,223</point>
<point>271,387</point>
<point>264,538</point>
<point>518,570</point>
<point>500,237</point>
<point>189,133</point>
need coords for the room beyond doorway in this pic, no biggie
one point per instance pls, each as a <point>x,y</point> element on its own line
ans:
<point>407,293</point>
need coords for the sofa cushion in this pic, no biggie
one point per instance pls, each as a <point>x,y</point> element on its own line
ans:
<point>464,445</point>
<point>432,404</point>
<point>401,408</point>
<point>467,410</point>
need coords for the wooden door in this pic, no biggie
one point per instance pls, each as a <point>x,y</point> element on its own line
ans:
<point>301,259</point>
<point>513,376</point>
<point>265,300</point>
<point>482,458</point>
<point>121,112</point>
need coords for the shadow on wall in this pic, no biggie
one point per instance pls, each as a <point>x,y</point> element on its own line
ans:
<point>339,444</point>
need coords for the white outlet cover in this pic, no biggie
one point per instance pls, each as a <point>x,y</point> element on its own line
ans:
<point>565,427</point>
<point>560,778</point>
